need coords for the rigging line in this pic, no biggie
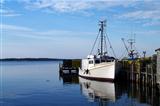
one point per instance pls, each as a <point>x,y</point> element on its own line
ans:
<point>94,43</point>
<point>111,46</point>
<point>98,46</point>
<point>105,44</point>
<point>138,54</point>
<point>124,53</point>
<point>135,48</point>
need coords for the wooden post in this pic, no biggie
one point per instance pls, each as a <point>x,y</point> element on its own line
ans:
<point>131,71</point>
<point>146,74</point>
<point>70,71</point>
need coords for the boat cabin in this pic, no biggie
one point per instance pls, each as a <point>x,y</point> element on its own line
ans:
<point>93,60</point>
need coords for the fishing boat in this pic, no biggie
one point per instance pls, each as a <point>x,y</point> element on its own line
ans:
<point>100,66</point>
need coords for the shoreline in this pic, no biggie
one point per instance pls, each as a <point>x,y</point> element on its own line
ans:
<point>31,59</point>
<point>34,59</point>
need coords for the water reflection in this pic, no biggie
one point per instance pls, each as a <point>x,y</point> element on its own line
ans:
<point>39,84</point>
<point>67,79</point>
<point>97,90</point>
<point>107,93</point>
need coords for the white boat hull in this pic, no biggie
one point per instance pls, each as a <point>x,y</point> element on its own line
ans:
<point>102,71</point>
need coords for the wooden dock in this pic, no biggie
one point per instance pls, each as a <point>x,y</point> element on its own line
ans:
<point>142,70</point>
<point>69,67</point>
<point>158,66</point>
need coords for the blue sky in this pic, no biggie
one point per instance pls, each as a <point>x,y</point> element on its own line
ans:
<point>68,28</point>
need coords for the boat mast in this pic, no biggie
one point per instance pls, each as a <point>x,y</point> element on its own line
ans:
<point>131,42</point>
<point>102,25</point>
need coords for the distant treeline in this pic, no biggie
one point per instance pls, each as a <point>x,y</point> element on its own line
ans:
<point>31,59</point>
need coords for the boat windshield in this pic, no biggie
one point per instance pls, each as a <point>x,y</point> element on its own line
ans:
<point>97,61</point>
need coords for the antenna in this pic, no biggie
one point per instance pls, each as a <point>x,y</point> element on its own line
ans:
<point>144,54</point>
<point>131,42</point>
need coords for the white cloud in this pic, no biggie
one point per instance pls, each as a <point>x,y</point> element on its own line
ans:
<point>144,17</point>
<point>146,13</point>
<point>71,6</point>
<point>25,32</point>
<point>152,23</point>
<point>137,9</point>
<point>150,14</point>
<point>59,6</point>
<point>13,27</point>
<point>8,13</point>
<point>75,6</point>
<point>151,33</point>
<point>131,9</point>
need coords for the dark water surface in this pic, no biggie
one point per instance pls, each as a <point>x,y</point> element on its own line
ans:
<point>37,83</point>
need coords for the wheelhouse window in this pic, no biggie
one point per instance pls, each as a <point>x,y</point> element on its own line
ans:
<point>91,62</point>
<point>97,61</point>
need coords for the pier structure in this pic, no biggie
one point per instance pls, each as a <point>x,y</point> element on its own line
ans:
<point>69,67</point>
<point>141,70</point>
<point>158,66</point>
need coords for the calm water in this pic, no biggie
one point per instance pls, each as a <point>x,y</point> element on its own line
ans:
<point>39,84</point>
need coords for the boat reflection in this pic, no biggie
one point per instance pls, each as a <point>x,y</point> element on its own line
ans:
<point>119,93</point>
<point>69,79</point>
<point>97,90</point>
<point>115,93</point>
